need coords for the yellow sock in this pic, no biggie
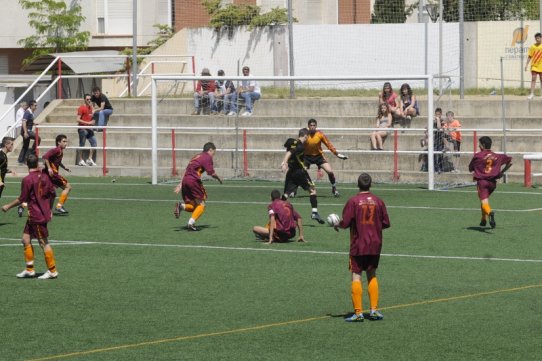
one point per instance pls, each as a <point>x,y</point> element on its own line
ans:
<point>356,296</point>
<point>189,207</point>
<point>198,211</point>
<point>29,257</point>
<point>486,209</point>
<point>50,259</point>
<point>372,287</point>
<point>63,198</point>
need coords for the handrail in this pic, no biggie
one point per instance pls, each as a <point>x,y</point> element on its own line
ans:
<point>141,73</point>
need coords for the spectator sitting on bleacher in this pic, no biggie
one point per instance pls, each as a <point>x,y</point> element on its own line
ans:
<point>104,108</point>
<point>453,136</point>
<point>225,96</point>
<point>249,91</point>
<point>205,91</point>
<point>383,120</point>
<point>389,97</point>
<point>408,105</point>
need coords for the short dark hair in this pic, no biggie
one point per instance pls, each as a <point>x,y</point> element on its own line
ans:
<point>486,142</point>
<point>32,161</point>
<point>32,102</point>
<point>364,182</point>
<point>208,146</point>
<point>86,95</point>
<point>96,89</point>
<point>538,35</point>
<point>6,140</point>
<point>438,110</point>
<point>311,121</point>
<point>60,138</point>
<point>275,194</point>
<point>220,72</point>
<point>303,132</point>
<point>246,67</point>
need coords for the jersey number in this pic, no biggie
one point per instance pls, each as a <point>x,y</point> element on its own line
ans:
<point>367,213</point>
<point>489,165</point>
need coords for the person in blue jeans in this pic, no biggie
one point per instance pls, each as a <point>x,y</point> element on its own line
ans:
<point>249,91</point>
<point>104,108</point>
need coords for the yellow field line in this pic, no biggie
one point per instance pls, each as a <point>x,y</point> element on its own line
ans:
<point>271,325</point>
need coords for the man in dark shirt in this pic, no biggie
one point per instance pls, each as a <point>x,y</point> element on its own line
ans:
<point>104,108</point>
<point>27,132</point>
<point>297,175</point>
<point>486,167</point>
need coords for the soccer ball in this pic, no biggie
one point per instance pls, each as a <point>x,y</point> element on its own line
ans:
<point>333,220</point>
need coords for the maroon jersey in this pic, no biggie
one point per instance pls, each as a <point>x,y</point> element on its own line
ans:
<point>200,163</point>
<point>366,215</point>
<point>37,191</point>
<point>54,156</point>
<point>285,215</point>
<point>486,165</point>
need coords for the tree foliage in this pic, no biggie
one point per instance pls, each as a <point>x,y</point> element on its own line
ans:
<point>228,17</point>
<point>164,33</point>
<point>56,27</point>
<point>491,10</point>
<point>391,11</point>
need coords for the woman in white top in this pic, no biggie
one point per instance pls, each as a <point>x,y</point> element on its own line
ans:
<point>383,120</point>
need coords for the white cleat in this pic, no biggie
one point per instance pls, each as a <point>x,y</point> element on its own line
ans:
<point>48,275</point>
<point>26,274</point>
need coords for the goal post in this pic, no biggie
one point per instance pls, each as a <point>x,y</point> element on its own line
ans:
<point>336,81</point>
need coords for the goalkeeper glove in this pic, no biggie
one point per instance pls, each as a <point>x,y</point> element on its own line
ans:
<point>342,156</point>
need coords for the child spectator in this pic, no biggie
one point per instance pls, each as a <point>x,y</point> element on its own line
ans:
<point>408,105</point>
<point>383,120</point>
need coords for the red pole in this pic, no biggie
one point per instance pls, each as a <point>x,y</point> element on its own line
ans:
<point>104,152</point>
<point>475,142</point>
<point>527,181</point>
<point>395,156</point>
<point>59,87</point>
<point>194,70</point>
<point>129,77</point>
<point>36,141</point>
<point>173,156</point>
<point>245,159</point>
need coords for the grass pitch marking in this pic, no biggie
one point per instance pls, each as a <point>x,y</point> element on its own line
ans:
<point>252,249</point>
<point>276,324</point>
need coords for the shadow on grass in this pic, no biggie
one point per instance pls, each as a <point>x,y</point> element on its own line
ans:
<point>480,229</point>
<point>186,229</point>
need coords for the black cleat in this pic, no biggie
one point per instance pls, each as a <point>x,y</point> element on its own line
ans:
<point>20,211</point>
<point>317,218</point>
<point>192,227</point>
<point>483,223</point>
<point>61,211</point>
<point>492,220</point>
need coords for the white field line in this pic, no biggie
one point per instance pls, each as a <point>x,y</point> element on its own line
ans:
<point>274,250</point>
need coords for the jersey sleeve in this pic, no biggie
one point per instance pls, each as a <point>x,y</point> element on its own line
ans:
<point>328,144</point>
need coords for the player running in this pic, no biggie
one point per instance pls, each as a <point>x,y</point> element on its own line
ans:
<point>192,191</point>
<point>297,175</point>
<point>486,167</point>
<point>53,163</point>
<point>315,155</point>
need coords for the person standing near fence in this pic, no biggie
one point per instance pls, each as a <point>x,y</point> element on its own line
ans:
<point>27,132</point>
<point>84,118</point>
<point>366,216</point>
<point>535,57</point>
<point>104,108</point>
<point>37,191</point>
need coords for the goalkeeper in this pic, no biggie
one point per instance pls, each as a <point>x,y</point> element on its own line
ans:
<point>315,155</point>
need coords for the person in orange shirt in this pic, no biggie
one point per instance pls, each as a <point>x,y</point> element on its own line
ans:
<point>453,135</point>
<point>535,57</point>
<point>315,155</point>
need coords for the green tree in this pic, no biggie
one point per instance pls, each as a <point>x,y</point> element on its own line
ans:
<point>56,28</point>
<point>391,11</point>
<point>491,10</point>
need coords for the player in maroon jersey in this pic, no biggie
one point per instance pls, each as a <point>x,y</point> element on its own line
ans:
<point>37,192</point>
<point>486,167</point>
<point>366,216</point>
<point>53,163</point>
<point>191,188</point>
<point>283,220</point>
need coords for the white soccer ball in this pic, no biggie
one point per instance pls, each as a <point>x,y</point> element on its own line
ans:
<point>333,220</point>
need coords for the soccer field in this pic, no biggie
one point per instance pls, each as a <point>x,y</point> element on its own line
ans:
<point>134,284</point>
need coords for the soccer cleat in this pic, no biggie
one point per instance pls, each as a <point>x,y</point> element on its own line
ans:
<point>355,318</point>
<point>61,210</point>
<point>317,218</point>
<point>178,209</point>
<point>292,195</point>
<point>48,275</point>
<point>26,274</point>
<point>20,211</point>
<point>483,223</point>
<point>192,227</point>
<point>376,315</point>
<point>90,162</point>
<point>82,163</point>
<point>335,192</point>
<point>492,219</point>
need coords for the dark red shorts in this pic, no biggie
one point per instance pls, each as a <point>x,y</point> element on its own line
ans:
<point>192,191</point>
<point>36,230</point>
<point>364,263</point>
<point>485,188</point>
<point>58,180</point>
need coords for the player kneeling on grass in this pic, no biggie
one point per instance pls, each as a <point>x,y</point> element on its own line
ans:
<point>192,191</point>
<point>37,191</point>
<point>366,216</point>
<point>283,219</point>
